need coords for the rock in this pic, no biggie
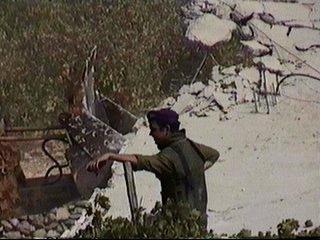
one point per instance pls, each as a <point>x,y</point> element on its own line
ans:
<point>69,222</point>
<point>53,234</point>
<point>210,30</point>
<point>52,217</point>
<point>308,223</point>
<point>203,106</point>
<point>184,103</point>
<point>222,99</point>
<point>40,233</point>
<point>51,226</point>
<point>60,229</point>
<point>196,88</point>
<point>37,220</point>
<point>62,214</point>
<point>26,228</point>
<point>212,83</point>
<point>46,220</point>
<point>23,218</point>
<point>75,216</point>
<point>78,210</point>
<point>53,210</point>
<point>14,222</point>
<point>7,225</point>
<point>83,204</point>
<point>64,226</point>
<point>13,235</point>
<point>207,92</point>
<point>184,89</point>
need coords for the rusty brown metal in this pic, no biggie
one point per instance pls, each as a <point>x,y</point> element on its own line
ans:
<point>25,139</point>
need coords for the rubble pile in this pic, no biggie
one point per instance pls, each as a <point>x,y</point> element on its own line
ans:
<point>61,222</point>
<point>46,225</point>
<point>225,90</point>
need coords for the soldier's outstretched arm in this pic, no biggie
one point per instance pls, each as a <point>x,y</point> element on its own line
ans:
<point>97,164</point>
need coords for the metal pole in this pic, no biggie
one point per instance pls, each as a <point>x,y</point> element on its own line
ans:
<point>265,89</point>
<point>255,101</point>
<point>131,190</point>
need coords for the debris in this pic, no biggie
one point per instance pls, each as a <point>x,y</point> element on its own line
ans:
<point>40,233</point>
<point>184,103</point>
<point>62,214</point>
<point>255,49</point>
<point>196,88</point>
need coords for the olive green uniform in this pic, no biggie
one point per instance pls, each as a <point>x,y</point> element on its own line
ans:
<point>180,168</point>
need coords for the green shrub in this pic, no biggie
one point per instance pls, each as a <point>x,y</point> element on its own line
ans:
<point>170,221</point>
<point>44,45</point>
<point>287,227</point>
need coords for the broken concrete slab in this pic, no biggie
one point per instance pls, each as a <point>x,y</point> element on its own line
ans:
<point>207,92</point>
<point>196,88</point>
<point>184,89</point>
<point>184,103</point>
<point>222,100</point>
<point>255,49</point>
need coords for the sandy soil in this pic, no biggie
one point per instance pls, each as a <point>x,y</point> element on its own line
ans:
<point>268,169</point>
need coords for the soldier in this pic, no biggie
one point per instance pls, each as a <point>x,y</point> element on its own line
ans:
<point>179,165</point>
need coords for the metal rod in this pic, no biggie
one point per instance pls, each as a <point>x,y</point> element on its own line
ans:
<point>266,93</point>
<point>274,94</point>
<point>24,139</point>
<point>131,190</point>
<point>255,101</point>
<point>200,67</point>
<point>24,129</point>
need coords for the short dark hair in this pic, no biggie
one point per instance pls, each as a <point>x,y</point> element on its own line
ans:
<point>164,117</point>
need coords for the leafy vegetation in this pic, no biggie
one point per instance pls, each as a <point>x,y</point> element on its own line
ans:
<point>172,221</point>
<point>44,45</point>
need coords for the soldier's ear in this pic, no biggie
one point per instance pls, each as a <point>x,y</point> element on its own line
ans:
<point>168,129</point>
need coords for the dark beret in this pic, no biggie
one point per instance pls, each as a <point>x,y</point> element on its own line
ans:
<point>163,116</point>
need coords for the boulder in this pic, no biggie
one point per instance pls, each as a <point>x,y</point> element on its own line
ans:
<point>52,234</point>
<point>62,213</point>
<point>13,235</point>
<point>25,228</point>
<point>7,225</point>
<point>40,233</point>
<point>209,30</point>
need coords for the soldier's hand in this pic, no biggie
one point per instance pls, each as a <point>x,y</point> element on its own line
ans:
<point>96,165</point>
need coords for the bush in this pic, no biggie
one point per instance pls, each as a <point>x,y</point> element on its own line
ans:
<point>44,45</point>
<point>170,221</point>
